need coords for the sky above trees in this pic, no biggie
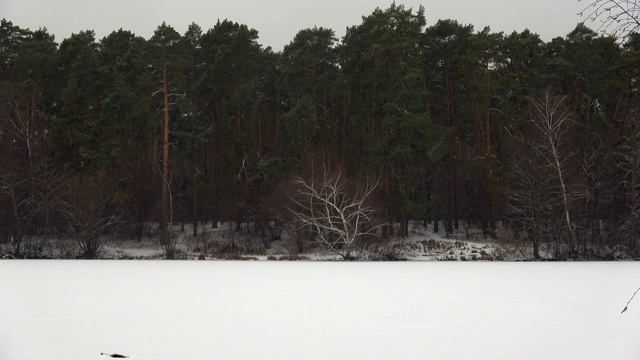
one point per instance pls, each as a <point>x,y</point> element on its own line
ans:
<point>278,21</point>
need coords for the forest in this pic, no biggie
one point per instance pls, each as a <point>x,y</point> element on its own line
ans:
<point>443,124</point>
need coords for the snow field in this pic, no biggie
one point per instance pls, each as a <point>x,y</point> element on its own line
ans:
<point>318,310</point>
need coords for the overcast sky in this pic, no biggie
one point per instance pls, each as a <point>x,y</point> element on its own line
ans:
<point>277,21</point>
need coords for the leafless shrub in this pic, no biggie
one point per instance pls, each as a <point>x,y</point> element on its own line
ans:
<point>385,251</point>
<point>92,208</point>
<point>50,187</point>
<point>234,242</point>
<point>231,235</point>
<point>290,257</point>
<point>29,205</point>
<point>252,245</point>
<point>202,245</point>
<point>630,165</point>
<point>335,211</point>
<point>219,248</point>
<point>63,249</point>
<point>300,237</point>
<point>15,193</point>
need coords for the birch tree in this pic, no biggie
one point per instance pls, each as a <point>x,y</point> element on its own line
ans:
<point>21,113</point>
<point>551,119</point>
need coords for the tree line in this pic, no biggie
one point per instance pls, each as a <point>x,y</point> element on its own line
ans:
<point>459,126</point>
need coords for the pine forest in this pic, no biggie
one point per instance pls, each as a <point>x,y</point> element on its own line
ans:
<point>339,141</point>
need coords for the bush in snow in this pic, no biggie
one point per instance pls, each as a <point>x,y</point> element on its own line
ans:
<point>92,208</point>
<point>337,212</point>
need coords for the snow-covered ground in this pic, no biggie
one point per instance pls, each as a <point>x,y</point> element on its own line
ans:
<point>74,310</point>
<point>225,243</point>
<point>421,244</point>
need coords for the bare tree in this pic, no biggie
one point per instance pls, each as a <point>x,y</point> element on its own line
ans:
<point>15,190</point>
<point>338,213</point>
<point>21,112</point>
<point>551,119</point>
<point>93,206</point>
<point>538,198</point>
<point>51,185</point>
<point>630,164</point>
<point>630,155</point>
<point>530,199</point>
<point>619,18</point>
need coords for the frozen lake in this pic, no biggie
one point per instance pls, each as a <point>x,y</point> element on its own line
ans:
<point>75,310</point>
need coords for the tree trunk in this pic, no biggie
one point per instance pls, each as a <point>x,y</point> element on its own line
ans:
<point>276,151</point>
<point>194,213</point>
<point>164,200</point>
<point>565,197</point>
<point>194,184</point>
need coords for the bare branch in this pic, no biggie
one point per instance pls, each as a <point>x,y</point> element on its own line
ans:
<point>632,296</point>
<point>618,18</point>
<point>339,216</point>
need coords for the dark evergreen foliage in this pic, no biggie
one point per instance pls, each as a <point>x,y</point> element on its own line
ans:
<point>440,113</point>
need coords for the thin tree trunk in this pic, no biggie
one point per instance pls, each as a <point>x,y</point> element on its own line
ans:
<point>277,123</point>
<point>565,198</point>
<point>194,213</point>
<point>164,200</point>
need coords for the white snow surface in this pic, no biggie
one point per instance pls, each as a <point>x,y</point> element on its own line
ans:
<point>72,310</point>
<point>421,244</point>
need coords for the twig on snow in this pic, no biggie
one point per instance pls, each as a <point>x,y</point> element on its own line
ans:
<point>632,296</point>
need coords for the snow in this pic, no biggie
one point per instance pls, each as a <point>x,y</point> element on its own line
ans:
<point>56,309</point>
<point>421,244</point>
<point>466,244</point>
